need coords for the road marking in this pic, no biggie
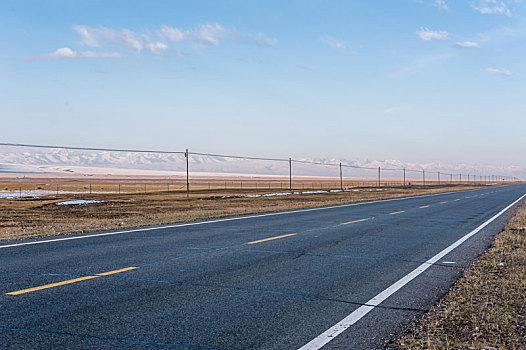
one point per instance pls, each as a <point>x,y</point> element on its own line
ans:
<point>324,338</point>
<point>352,222</point>
<point>272,238</point>
<point>425,206</point>
<point>223,220</point>
<point>117,271</point>
<point>457,199</point>
<point>443,202</point>
<point>74,280</point>
<point>397,212</point>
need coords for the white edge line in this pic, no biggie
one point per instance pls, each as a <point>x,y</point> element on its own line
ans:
<point>226,219</point>
<point>324,338</point>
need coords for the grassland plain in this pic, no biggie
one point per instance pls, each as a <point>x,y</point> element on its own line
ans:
<point>486,307</point>
<point>37,217</point>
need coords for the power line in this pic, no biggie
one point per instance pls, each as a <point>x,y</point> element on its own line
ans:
<point>88,148</point>
<point>220,155</point>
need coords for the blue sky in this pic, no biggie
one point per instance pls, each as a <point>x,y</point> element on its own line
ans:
<point>413,80</point>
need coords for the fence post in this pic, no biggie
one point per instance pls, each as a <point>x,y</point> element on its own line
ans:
<point>341,177</point>
<point>20,193</point>
<point>89,188</point>
<point>187,177</point>
<point>290,174</point>
<point>57,189</point>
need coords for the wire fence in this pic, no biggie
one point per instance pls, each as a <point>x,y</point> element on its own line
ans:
<point>186,171</point>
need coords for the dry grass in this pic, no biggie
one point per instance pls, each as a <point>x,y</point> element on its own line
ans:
<point>486,308</point>
<point>33,217</point>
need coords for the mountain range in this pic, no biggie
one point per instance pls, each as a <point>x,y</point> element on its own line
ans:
<point>62,160</point>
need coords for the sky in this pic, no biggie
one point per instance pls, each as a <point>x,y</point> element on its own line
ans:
<point>412,80</point>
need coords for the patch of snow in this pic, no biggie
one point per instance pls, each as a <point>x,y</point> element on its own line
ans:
<point>9,194</point>
<point>283,194</point>
<point>311,192</point>
<point>79,201</point>
<point>267,195</point>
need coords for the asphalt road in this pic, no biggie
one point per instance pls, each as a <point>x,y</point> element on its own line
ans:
<point>334,277</point>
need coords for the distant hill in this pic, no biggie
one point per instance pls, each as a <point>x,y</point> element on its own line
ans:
<point>60,160</point>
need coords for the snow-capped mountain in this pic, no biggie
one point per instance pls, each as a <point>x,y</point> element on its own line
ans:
<point>61,160</point>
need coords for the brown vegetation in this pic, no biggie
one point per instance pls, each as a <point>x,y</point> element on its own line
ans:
<point>486,308</point>
<point>31,217</point>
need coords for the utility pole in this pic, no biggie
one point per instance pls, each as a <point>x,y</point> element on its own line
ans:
<point>424,177</point>
<point>404,177</point>
<point>187,175</point>
<point>290,174</point>
<point>379,177</point>
<point>341,177</point>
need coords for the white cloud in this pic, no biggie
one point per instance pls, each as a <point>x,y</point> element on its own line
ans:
<point>212,34</point>
<point>337,44</point>
<point>499,71</point>
<point>261,39</point>
<point>334,43</point>
<point>173,34</point>
<point>426,34</point>
<point>66,52</point>
<point>96,37</point>
<point>208,34</point>
<point>491,7</point>
<point>466,44</point>
<point>441,4</point>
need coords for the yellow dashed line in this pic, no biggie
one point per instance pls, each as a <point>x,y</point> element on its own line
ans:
<point>443,202</point>
<point>272,238</point>
<point>425,206</point>
<point>352,222</point>
<point>397,212</point>
<point>457,199</point>
<point>74,280</point>
<point>116,271</point>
